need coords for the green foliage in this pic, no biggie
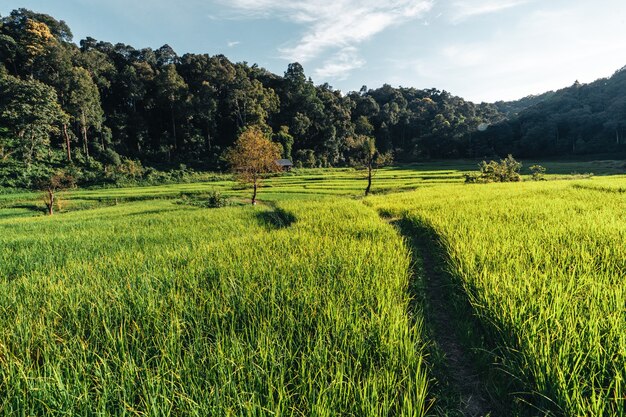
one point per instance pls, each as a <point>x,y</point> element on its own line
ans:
<point>286,140</point>
<point>30,110</point>
<point>305,158</point>
<point>538,172</point>
<point>216,200</point>
<point>580,119</point>
<point>507,170</point>
<point>57,180</point>
<point>8,144</point>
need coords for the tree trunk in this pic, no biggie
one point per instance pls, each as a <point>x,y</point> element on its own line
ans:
<point>208,136</point>
<point>84,130</point>
<point>50,202</point>
<point>557,135</point>
<point>369,179</point>
<point>174,129</point>
<point>68,146</point>
<point>254,193</point>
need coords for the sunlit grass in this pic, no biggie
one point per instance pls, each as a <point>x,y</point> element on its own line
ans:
<point>157,308</point>
<point>131,301</point>
<point>543,265</point>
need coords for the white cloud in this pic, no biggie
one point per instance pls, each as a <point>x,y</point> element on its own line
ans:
<point>232,44</point>
<point>463,10</point>
<point>340,64</point>
<point>542,50</point>
<point>337,26</point>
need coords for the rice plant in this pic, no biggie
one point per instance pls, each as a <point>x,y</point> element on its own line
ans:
<point>543,265</point>
<point>156,308</point>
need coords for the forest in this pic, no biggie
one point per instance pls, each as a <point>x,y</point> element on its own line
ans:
<point>109,111</point>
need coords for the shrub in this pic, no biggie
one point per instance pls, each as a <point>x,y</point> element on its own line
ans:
<point>472,177</point>
<point>507,170</point>
<point>538,172</point>
<point>110,157</point>
<point>216,200</point>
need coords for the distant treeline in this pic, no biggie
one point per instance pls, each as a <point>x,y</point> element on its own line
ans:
<point>577,120</point>
<point>99,105</point>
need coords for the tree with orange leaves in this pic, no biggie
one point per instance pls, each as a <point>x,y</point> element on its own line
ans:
<point>253,157</point>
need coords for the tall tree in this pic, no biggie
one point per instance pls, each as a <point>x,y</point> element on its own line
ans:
<point>84,104</point>
<point>172,89</point>
<point>30,110</point>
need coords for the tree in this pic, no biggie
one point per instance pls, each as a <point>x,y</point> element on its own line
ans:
<point>172,89</point>
<point>60,180</point>
<point>286,140</point>
<point>253,157</point>
<point>84,103</point>
<point>366,155</point>
<point>30,110</point>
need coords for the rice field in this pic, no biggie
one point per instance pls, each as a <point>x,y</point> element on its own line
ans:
<point>133,302</point>
<point>543,265</point>
<point>156,308</point>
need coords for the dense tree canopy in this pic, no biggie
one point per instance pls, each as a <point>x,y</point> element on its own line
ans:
<point>580,119</point>
<point>102,103</point>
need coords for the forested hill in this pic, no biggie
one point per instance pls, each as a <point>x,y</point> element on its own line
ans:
<point>580,119</point>
<point>104,108</point>
<point>513,108</point>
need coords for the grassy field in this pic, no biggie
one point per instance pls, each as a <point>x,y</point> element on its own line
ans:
<point>156,308</point>
<point>543,265</point>
<point>132,301</point>
<point>298,185</point>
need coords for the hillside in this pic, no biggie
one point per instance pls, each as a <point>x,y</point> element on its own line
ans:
<point>95,105</point>
<point>577,120</point>
<point>513,108</point>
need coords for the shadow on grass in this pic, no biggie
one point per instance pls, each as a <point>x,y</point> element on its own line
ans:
<point>466,361</point>
<point>27,206</point>
<point>275,219</point>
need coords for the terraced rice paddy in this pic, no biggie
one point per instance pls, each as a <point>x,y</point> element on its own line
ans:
<point>162,309</point>
<point>543,265</point>
<point>133,302</point>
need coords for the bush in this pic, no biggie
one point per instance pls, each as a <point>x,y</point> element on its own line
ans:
<point>507,170</point>
<point>472,177</point>
<point>110,157</point>
<point>538,172</point>
<point>216,200</point>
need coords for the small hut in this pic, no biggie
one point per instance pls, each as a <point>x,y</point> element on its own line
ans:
<point>285,164</point>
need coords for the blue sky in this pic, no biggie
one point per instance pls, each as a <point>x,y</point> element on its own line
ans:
<point>482,50</point>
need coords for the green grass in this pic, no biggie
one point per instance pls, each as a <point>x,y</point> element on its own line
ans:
<point>304,183</point>
<point>543,265</point>
<point>156,308</point>
<point>131,301</point>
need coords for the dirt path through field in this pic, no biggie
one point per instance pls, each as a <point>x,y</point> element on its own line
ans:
<point>460,376</point>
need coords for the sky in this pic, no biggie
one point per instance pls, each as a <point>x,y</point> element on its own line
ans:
<point>482,50</point>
